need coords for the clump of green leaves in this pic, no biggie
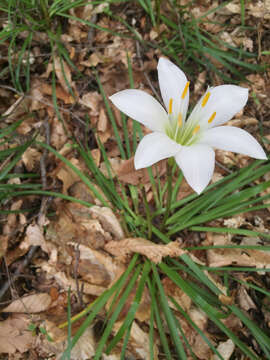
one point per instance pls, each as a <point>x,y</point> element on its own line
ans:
<point>11,152</point>
<point>188,42</point>
<point>24,20</point>
<point>236,193</point>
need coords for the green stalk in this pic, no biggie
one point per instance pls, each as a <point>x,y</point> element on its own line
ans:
<point>44,8</point>
<point>169,192</point>
<point>148,215</point>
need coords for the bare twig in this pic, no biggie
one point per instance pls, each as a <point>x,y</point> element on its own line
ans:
<point>18,271</point>
<point>223,167</point>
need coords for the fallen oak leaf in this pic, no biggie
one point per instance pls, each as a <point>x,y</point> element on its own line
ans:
<point>108,220</point>
<point>154,252</point>
<point>34,303</point>
<point>14,334</point>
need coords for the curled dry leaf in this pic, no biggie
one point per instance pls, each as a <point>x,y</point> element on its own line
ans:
<point>34,237</point>
<point>14,334</point>
<point>249,257</point>
<point>108,220</point>
<point>34,303</point>
<point>122,249</point>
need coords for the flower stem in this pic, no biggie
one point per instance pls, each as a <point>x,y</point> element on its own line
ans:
<point>169,192</point>
<point>148,215</point>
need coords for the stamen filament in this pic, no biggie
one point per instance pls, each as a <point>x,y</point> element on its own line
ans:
<point>205,99</point>
<point>184,93</point>
<point>179,120</point>
<point>196,129</point>
<point>170,106</point>
<point>212,117</point>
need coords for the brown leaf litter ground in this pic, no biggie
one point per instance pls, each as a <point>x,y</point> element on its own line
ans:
<point>63,245</point>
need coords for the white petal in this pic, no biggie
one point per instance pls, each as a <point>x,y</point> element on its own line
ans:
<point>172,82</point>
<point>153,148</point>
<point>142,107</point>
<point>224,100</point>
<point>233,139</point>
<point>197,163</point>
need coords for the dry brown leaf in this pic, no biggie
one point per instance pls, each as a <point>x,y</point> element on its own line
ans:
<point>225,349</point>
<point>126,172</point>
<point>36,95</point>
<point>34,303</point>
<point>243,121</point>
<point>138,342</point>
<point>30,157</point>
<point>68,283</point>
<point>59,92</point>
<point>97,261</point>
<point>201,348</point>
<point>92,100</point>
<point>199,317</point>
<point>17,109</point>
<point>61,68</point>
<point>67,175</point>
<point>3,245</point>
<point>58,134</point>
<point>83,350</point>
<point>178,294</point>
<point>244,299</point>
<point>34,237</point>
<point>102,121</point>
<point>122,249</point>
<point>14,334</point>
<point>108,220</point>
<point>247,257</point>
<point>260,9</point>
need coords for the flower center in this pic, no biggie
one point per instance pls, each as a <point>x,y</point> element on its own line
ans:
<point>186,133</point>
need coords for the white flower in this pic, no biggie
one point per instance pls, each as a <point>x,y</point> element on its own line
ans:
<point>190,141</point>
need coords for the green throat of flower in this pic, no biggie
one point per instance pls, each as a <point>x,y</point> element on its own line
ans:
<point>184,134</point>
<point>189,132</point>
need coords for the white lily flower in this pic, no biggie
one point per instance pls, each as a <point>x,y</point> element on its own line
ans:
<point>190,141</point>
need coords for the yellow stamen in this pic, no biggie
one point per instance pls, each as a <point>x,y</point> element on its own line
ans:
<point>205,99</point>
<point>212,117</point>
<point>184,93</point>
<point>196,129</point>
<point>170,106</point>
<point>179,120</point>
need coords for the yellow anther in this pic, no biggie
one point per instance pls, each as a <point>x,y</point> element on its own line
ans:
<point>179,120</point>
<point>205,99</point>
<point>212,117</point>
<point>184,93</point>
<point>196,129</point>
<point>170,106</point>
